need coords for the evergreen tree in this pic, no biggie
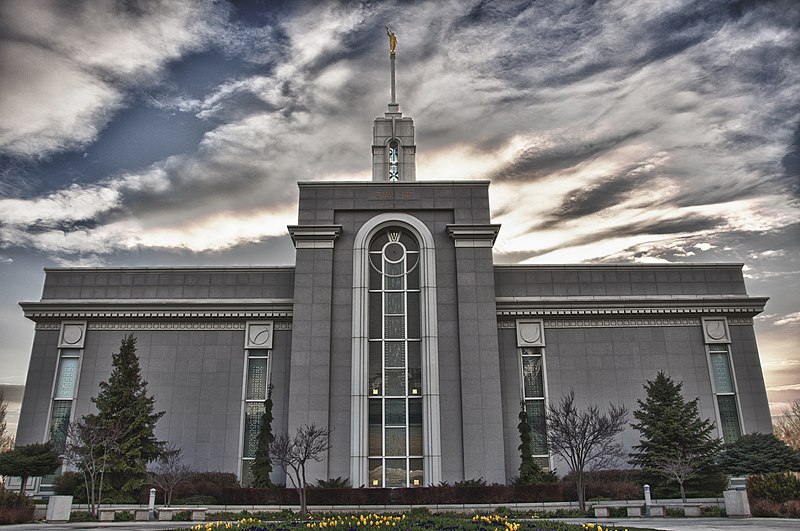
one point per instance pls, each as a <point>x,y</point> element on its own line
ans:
<point>29,460</point>
<point>758,453</point>
<point>123,403</point>
<point>262,465</point>
<point>675,442</point>
<point>530,473</point>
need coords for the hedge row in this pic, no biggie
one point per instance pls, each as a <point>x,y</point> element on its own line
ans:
<point>408,496</point>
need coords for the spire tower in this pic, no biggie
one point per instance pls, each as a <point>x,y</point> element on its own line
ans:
<point>393,147</point>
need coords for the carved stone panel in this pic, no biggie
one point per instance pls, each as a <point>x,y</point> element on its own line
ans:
<point>715,330</point>
<point>73,334</point>
<point>258,334</point>
<point>530,333</point>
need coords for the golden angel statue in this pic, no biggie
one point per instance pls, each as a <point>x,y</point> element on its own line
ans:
<point>392,40</point>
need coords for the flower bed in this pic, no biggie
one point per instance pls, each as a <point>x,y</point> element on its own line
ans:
<point>402,522</point>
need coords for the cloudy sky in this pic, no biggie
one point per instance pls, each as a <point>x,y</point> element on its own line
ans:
<point>172,133</point>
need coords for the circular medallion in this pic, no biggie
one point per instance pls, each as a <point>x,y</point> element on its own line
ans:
<point>394,252</point>
<point>72,334</point>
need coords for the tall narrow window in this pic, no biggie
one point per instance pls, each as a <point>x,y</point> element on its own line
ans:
<point>63,395</point>
<point>725,390</point>
<point>394,365</point>
<point>256,383</point>
<point>533,392</point>
<point>394,157</point>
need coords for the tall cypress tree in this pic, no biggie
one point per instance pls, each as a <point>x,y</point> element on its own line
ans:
<point>675,442</point>
<point>123,405</point>
<point>262,464</point>
<point>530,473</point>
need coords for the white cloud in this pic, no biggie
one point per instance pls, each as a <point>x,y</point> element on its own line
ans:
<point>66,71</point>
<point>790,319</point>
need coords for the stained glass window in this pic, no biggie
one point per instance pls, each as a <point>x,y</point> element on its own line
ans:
<point>729,417</point>
<point>722,375</point>
<point>67,377</point>
<point>395,375</point>
<point>722,372</point>
<point>533,391</point>
<point>256,384</point>
<point>394,156</point>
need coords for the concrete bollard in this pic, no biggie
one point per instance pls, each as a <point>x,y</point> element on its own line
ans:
<point>151,506</point>
<point>647,501</point>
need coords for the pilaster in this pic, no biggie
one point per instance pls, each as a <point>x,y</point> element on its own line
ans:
<point>310,366</point>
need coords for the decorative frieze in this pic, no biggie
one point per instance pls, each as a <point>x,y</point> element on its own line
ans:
<point>621,323</point>
<point>162,325</point>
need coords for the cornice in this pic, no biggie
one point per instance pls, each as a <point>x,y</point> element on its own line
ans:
<point>179,269</point>
<point>630,305</point>
<point>360,184</point>
<point>611,265</point>
<point>314,236</point>
<point>169,309</point>
<point>466,235</point>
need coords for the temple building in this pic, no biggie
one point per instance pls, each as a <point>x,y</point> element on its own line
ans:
<point>395,329</point>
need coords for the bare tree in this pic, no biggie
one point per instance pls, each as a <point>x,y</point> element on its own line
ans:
<point>586,440</point>
<point>681,465</point>
<point>87,448</point>
<point>6,441</point>
<point>309,443</point>
<point>169,472</point>
<point>787,426</point>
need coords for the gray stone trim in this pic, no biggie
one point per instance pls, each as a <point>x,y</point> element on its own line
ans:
<point>157,309</point>
<point>625,323</point>
<point>715,330</point>
<point>259,335</point>
<point>618,265</point>
<point>473,235</point>
<point>73,334</point>
<point>629,305</point>
<point>620,323</point>
<point>178,269</point>
<point>162,325</point>
<point>429,334</point>
<point>360,184</point>
<point>530,333</point>
<point>314,236</point>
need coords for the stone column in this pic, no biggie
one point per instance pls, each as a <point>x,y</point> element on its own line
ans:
<point>309,368</point>
<point>484,451</point>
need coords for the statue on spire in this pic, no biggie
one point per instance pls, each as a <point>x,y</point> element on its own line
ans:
<point>392,40</point>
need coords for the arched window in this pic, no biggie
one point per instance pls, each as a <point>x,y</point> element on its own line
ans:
<point>394,157</point>
<point>395,435</point>
<point>395,365</point>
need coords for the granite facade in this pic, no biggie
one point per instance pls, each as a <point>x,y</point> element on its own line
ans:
<point>607,329</point>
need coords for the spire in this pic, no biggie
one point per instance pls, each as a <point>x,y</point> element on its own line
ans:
<point>393,105</point>
<point>393,149</point>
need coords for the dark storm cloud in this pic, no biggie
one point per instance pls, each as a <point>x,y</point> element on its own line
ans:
<point>536,162</point>
<point>791,163</point>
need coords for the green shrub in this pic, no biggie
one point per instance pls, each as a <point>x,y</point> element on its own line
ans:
<point>198,499</point>
<point>605,484</point>
<point>81,516</point>
<point>334,483</point>
<point>182,516</point>
<point>776,487</point>
<point>674,511</point>
<point>208,484</point>
<point>15,508</point>
<point>123,516</point>
<point>712,511</point>
<point>70,484</point>
<point>480,482</point>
